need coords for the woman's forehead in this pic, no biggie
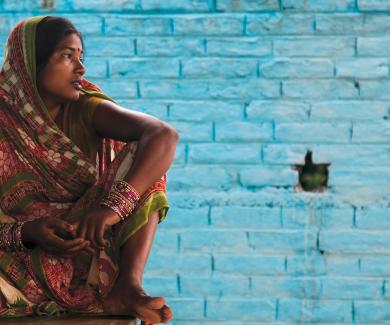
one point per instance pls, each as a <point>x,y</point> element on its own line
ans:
<point>72,42</point>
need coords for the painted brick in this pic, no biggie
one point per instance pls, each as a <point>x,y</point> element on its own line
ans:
<point>96,68</point>
<point>172,5</point>
<point>350,288</point>
<point>361,176</point>
<point>114,46</point>
<point>238,46</point>
<point>144,68</point>
<point>299,265</point>
<point>299,218</point>
<point>297,68</point>
<point>215,89</point>
<point>169,46</point>
<point>205,25</point>
<point>284,154</point>
<point>282,241</point>
<point>180,155</point>
<point>163,264</point>
<point>357,241</point>
<point>117,89</point>
<point>362,68</point>
<point>374,89</point>
<point>87,24</point>
<point>202,111</point>
<point>372,133</point>
<point>214,241</point>
<point>373,46</point>
<point>348,110</point>
<point>293,287</point>
<point>181,218</point>
<point>247,5</point>
<point>308,46</point>
<point>280,111</point>
<point>249,264</point>
<point>268,176</point>
<point>352,154</point>
<point>245,217</point>
<point>200,177</point>
<point>155,108</point>
<point>315,5</point>
<point>373,218</point>
<point>372,5</point>
<point>193,132</point>
<point>243,131</point>
<point>372,311</point>
<point>161,285</point>
<point>313,132</point>
<point>129,25</point>
<point>277,23</point>
<point>375,266</point>
<point>331,217</point>
<point>166,240</point>
<point>224,153</point>
<point>103,5</point>
<point>241,309</point>
<point>187,308</point>
<point>221,285</point>
<point>313,311</point>
<point>321,89</point>
<point>352,23</point>
<point>218,68</point>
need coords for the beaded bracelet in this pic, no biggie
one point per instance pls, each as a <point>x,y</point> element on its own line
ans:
<point>122,199</point>
<point>11,236</point>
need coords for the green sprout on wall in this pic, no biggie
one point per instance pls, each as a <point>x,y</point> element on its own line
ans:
<point>312,177</point>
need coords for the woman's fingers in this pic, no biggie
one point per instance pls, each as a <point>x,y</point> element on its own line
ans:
<point>59,244</point>
<point>60,224</point>
<point>82,231</point>
<point>100,234</point>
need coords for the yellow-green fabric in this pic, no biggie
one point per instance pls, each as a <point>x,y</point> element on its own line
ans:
<point>76,121</point>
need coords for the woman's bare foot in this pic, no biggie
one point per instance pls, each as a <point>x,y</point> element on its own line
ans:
<point>132,300</point>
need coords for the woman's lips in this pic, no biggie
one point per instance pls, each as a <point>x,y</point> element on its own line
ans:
<point>77,85</point>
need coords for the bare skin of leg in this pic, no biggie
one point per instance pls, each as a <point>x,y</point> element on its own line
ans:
<point>127,297</point>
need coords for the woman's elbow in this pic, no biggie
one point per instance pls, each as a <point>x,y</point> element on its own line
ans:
<point>166,132</point>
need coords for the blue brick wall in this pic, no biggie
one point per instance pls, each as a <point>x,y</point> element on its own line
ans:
<point>251,86</point>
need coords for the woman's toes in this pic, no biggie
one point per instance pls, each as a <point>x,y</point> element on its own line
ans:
<point>155,302</point>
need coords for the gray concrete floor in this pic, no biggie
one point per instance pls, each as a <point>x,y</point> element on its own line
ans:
<point>70,320</point>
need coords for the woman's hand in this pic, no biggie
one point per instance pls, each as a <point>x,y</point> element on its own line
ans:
<point>94,224</point>
<point>53,235</point>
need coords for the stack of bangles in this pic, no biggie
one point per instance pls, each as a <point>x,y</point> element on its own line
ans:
<point>11,236</point>
<point>122,198</point>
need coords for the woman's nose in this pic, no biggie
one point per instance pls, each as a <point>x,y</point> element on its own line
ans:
<point>80,67</point>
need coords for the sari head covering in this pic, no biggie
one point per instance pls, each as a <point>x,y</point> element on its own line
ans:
<point>38,162</point>
<point>44,174</point>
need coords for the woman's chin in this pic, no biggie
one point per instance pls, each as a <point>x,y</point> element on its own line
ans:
<point>75,95</point>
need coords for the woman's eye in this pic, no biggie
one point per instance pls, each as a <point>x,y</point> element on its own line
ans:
<point>68,56</point>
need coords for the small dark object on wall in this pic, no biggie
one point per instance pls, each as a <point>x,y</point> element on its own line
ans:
<point>312,177</point>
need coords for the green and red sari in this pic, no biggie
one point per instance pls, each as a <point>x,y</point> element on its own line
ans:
<point>43,173</point>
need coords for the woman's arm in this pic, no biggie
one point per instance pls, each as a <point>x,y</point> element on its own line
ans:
<point>157,141</point>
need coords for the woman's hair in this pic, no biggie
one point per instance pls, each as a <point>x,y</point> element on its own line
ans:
<point>50,31</point>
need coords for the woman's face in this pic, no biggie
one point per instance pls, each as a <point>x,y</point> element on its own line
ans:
<point>60,79</point>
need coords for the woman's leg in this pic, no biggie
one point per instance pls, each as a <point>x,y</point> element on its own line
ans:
<point>127,295</point>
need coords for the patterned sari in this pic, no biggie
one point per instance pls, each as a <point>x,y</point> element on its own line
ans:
<point>44,174</point>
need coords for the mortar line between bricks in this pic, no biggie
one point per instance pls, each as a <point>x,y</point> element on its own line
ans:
<point>135,47</point>
<point>244,25</point>
<point>103,25</point>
